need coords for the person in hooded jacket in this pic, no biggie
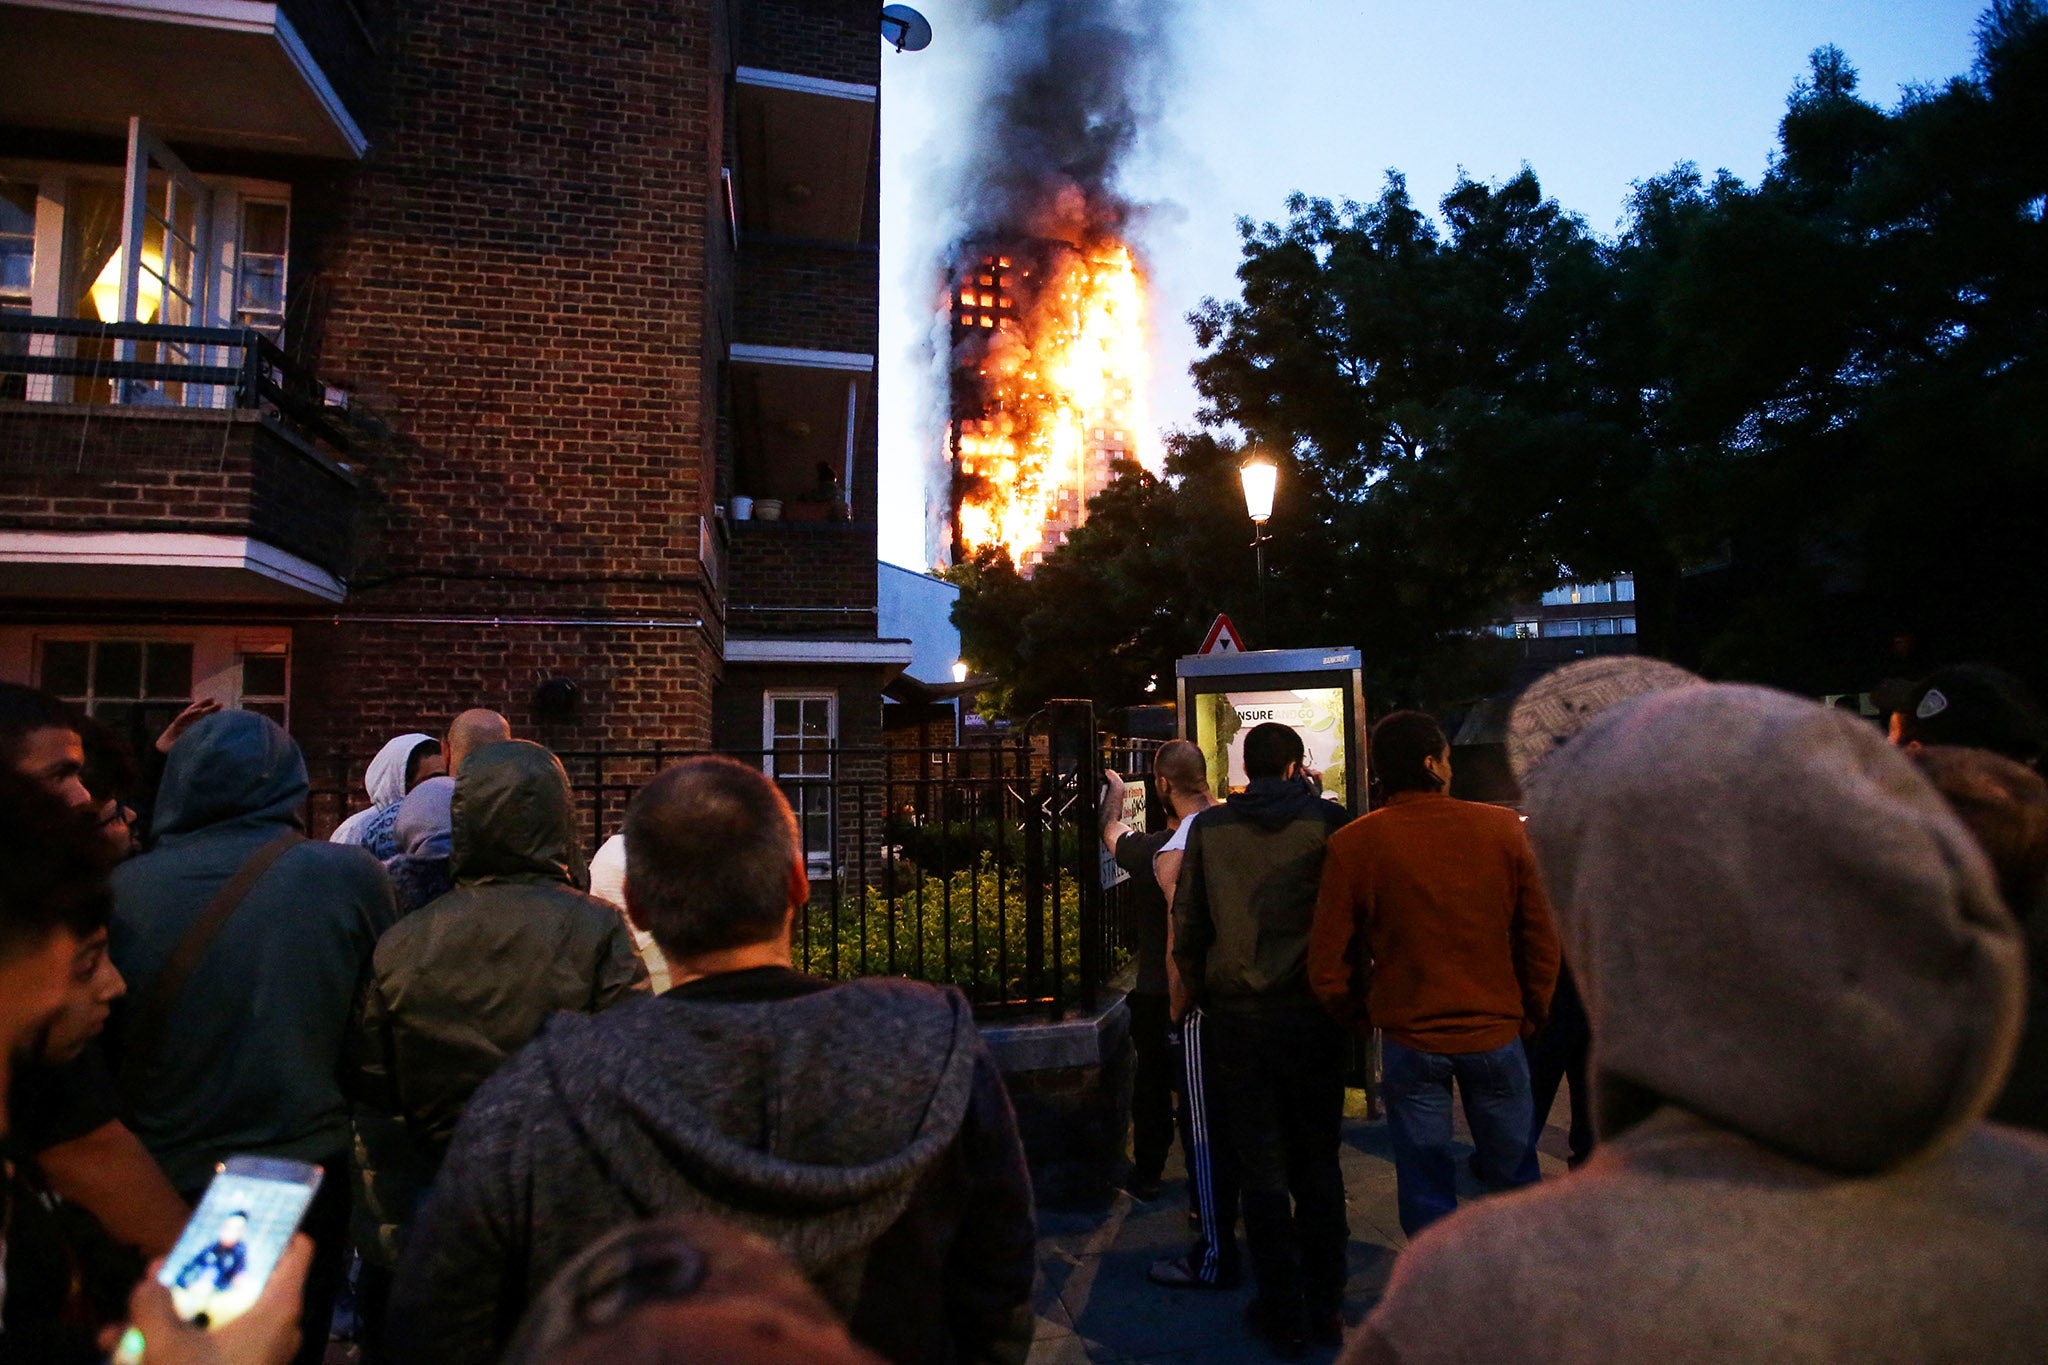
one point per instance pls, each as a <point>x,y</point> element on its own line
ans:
<point>244,1057</point>
<point>1804,994</point>
<point>425,834</point>
<point>402,764</point>
<point>1242,908</point>
<point>467,980</point>
<point>861,1127</point>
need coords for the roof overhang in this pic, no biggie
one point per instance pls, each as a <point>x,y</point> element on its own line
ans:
<point>224,73</point>
<point>892,656</point>
<point>804,149</point>
<point>158,566</point>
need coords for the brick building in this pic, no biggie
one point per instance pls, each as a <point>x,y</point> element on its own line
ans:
<point>363,362</point>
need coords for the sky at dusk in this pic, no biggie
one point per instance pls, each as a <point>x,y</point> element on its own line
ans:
<point>1260,98</point>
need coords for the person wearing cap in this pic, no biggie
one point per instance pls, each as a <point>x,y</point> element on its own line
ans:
<point>1805,994</point>
<point>1974,706</point>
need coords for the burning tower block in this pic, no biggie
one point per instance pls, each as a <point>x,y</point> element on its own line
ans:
<point>1049,369</point>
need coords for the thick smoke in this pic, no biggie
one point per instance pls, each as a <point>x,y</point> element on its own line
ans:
<point>1068,88</point>
<point>1053,97</point>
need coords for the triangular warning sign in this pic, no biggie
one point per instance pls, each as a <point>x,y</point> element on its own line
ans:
<point>1222,639</point>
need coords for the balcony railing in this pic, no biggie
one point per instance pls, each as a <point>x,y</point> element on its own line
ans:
<point>45,359</point>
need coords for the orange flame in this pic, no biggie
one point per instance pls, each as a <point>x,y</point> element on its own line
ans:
<point>1064,392</point>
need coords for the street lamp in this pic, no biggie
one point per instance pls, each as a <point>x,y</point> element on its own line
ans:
<point>1259,475</point>
<point>959,670</point>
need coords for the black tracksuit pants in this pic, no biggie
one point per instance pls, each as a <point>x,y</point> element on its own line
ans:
<point>1153,1082</point>
<point>1280,1078</point>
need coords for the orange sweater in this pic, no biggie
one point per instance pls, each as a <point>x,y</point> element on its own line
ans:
<point>1432,926</point>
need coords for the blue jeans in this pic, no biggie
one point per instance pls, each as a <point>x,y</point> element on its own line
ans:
<point>1417,1093</point>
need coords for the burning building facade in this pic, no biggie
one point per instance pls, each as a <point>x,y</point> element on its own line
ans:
<point>1044,292</point>
<point>1047,390</point>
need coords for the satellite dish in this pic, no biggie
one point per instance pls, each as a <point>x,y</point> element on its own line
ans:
<point>905,27</point>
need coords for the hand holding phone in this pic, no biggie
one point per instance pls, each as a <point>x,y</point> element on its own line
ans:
<point>267,1334</point>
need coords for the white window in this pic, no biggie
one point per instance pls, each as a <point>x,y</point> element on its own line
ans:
<point>799,731</point>
<point>137,679</point>
<point>1625,588</point>
<point>210,251</point>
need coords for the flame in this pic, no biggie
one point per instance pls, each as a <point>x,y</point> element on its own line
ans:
<point>1063,394</point>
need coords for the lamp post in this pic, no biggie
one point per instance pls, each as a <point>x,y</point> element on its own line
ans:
<point>1259,475</point>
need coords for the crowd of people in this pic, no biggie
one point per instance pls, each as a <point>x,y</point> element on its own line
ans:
<point>1780,957</point>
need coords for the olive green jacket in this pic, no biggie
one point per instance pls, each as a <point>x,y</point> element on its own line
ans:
<point>468,979</point>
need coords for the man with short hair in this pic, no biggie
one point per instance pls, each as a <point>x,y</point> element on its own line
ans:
<point>1432,926</point>
<point>472,730</point>
<point>1241,915</point>
<point>1181,784</point>
<point>67,1109</point>
<point>861,1126</point>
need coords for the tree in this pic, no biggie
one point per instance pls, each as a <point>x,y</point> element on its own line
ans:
<point>1809,415</point>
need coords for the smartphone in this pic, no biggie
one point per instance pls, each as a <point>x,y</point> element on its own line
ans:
<point>242,1225</point>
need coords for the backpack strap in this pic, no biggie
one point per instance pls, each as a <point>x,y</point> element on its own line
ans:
<point>151,1019</point>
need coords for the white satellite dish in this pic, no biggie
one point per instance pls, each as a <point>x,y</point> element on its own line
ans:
<point>906,28</point>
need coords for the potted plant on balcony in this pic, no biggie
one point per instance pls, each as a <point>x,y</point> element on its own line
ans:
<point>825,502</point>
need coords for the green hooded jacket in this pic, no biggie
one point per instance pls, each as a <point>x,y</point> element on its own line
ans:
<point>252,1053</point>
<point>468,979</point>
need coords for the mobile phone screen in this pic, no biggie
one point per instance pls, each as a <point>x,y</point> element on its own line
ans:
<point>230,1246</point>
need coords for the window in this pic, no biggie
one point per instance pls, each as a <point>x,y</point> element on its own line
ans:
<point>799,730</point>
<point>17,244</point>
<point>135,687</point>
<point>78,213</point>
<point>1554,629</point>
<point>17,270</point>
<point>1625,588</point>
<point>259,282</point>
<point>266,683</point>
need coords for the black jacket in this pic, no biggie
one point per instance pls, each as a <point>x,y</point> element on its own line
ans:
<point>1247,895</point>
<point>863,1128</point>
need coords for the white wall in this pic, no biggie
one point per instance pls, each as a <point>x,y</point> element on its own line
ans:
<point>917,607</point>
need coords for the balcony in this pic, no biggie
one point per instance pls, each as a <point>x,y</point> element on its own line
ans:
<point>282,78</point>
<point>806,147</point>
<point>157,463</point>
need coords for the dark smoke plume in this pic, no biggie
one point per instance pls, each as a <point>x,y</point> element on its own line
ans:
<point>1069,87</point>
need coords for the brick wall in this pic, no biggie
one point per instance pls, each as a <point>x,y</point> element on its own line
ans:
<point>168,470</point>
<point>793,565</point>
<point>517,284</point>
<point>357,683</point>
<point>818,298</point>
<point>837,40</point>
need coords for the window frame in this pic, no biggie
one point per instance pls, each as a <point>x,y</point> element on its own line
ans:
<point>818,862</point>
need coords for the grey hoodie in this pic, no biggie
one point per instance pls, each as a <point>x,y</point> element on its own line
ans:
<point>251,1059</point>
<point>1804,993</point>
<point>862,1128</point>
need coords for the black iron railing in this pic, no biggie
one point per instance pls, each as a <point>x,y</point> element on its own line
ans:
<point>57,359</point>
<point>976,866</point>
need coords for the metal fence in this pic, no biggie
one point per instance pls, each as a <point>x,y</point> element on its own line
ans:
<point>75,360</point>
<point>975,865</point>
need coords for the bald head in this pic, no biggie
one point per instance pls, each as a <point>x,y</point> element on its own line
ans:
<point>1181,765</point>
<point>472,730</point>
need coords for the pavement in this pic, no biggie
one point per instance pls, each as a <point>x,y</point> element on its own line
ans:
<point>1094,1304</point>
